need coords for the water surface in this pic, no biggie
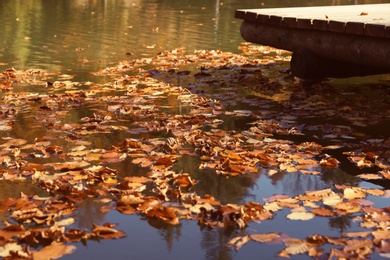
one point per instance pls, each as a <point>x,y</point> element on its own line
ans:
<point>78,37</point>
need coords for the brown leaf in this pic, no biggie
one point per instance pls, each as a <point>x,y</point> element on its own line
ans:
<point>295,246</point>
<point>106,231</point>
<point>126,209</point>
<point>166,214</point>
<point>6,203</point>
<point>184,180</point>
<point>381,235</point>
<point>164,161</point>
<point>324,212</point>
<point>264,238</point>
<point>349,207</point>
<point>329,163</point>
<point>144,162</point>
<point>137,179</point>
<point>353,245</point>
<point>149,203</point>
<point>12,231</point>
<point>357,234</point>
<point>315,240</point>
<point>75,235</point>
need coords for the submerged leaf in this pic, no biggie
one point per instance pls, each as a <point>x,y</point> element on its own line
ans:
<point>238,242</point>
<point>53,251</point>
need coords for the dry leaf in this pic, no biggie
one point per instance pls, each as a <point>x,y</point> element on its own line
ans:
<point>6,249</point>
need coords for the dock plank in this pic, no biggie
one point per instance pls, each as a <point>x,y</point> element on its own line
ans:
<point>370,20</point>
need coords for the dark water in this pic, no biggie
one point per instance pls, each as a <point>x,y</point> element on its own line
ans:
<point>78,37</point>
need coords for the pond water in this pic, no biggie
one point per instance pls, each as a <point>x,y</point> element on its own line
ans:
<point>79,37</point>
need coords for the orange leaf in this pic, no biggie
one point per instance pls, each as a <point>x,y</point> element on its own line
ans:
<point>164,161</point>
<point>329,163</point>
<point>264,238</point>
<point>184,180</point>
<point>165,214</point>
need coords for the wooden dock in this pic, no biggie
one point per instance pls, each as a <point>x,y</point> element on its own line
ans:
<point>351,38</point>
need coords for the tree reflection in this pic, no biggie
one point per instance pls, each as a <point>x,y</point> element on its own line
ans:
<point>169,233</point>
<point>214,243</point>
<point>295,183</point>
<point>341,223</point>
<point>338,176</point>
<point>225,189</point>
<point>89,213</point>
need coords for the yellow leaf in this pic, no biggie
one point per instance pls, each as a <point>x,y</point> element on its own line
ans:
<point>354,193</point>
<point>332,199</point>
<point>300,216</point>
<point>65,222</point>
<point>7,248</point>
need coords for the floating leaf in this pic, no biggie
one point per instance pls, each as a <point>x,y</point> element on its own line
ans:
<point>106,231</point>
<point>354,193</point>
<point>6,250</point>
<point>165,214</point>
<point>324,212</point>
<point>300,216</point>
<point>264,238</point>
<point>295,246</point>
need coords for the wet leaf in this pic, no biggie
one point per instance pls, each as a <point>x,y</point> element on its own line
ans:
<point>165,214</point>
<point>184,180</point>
<point>324,212</point>
<point>264,238</point>
<point>295,246</point>
<point>107,232</point>
<point>238,242</point>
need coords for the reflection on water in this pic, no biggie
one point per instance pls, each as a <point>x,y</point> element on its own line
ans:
<point>81,36</point>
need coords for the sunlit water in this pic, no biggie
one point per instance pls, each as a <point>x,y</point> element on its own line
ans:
<point>78,37</point>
